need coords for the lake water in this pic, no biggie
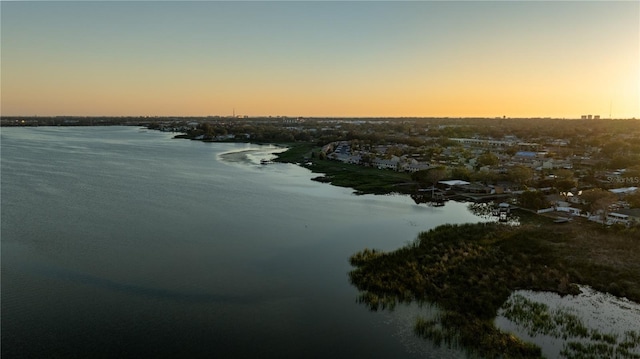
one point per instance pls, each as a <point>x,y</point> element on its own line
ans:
<point>123,242</point>
<point>597,311</point>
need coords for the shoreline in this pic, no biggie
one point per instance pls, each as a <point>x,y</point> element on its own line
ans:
<point>560,264</point>
<point>469,271</point>
<point>241,154</point>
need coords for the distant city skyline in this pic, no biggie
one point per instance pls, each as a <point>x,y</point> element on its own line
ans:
<point>321,59</point>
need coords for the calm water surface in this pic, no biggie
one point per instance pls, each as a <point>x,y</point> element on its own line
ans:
<point>117,241</point>
<point>597,311</point>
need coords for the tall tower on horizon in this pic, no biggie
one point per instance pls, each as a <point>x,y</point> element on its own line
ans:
<point>610,104</point>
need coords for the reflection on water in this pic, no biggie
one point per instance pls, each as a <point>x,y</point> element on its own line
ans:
<point>588,324</point>
<point>120,243</point>
<point>402,320</point>
<point>147,246</point>
<point>454,267</point>
<point>183,295</point>
<point>490,211</point>
<point>470,271</point>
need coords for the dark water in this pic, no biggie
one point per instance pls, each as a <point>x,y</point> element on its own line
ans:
<point>122,242</point>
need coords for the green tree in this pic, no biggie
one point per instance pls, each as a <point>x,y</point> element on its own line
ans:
<point>393,151</point>
<point>488,159</point>
<point>430,176</point>
<point>520,175</point>
<point>207,129</point>
<point>564,174</point>
<point>511,150</point>
<point>433,152</point>
<point>533,200</point>
<point>613,148</point>
<point>461,173</point>
<point>484,176</point>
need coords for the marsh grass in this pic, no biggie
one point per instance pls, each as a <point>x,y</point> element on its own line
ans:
<point>364,180</point>
<point>296,152</point>
<point>470,270</point>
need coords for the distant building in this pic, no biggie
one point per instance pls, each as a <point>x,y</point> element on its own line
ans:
<point>623,191</point>
<point>479,142</point>
<point>617,218</point>
<point>292,120</point>
<point>391,164</point>
<point>526,154</point>
<point>416,166</point>
<point>633,215</point>
<point>451,183</point>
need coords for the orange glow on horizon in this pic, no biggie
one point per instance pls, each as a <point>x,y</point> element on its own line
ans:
<point>348,60</point>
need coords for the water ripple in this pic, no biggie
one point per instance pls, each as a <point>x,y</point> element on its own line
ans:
<point>139,290</point>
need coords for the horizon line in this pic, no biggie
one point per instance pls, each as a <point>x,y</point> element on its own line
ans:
<point>322,117</point>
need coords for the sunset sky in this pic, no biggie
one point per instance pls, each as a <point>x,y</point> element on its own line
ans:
<point>351,59</point>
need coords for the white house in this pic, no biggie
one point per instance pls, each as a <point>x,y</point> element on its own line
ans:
<point>417,166</point>
<point>391,164</point>
<point>614,218</point>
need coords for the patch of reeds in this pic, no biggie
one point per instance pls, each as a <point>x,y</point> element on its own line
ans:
<point>477,337</point>
<point>469,271</point>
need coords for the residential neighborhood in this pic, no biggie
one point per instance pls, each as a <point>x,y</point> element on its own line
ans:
<point>569,167</point>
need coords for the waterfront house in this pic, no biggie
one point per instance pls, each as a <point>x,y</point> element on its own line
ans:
<point>633,215</point>
<point>417,166</point>
<point>617,218</point>
<point>391,164</point>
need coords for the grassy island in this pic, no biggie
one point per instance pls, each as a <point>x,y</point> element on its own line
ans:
<point>470,270</point>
